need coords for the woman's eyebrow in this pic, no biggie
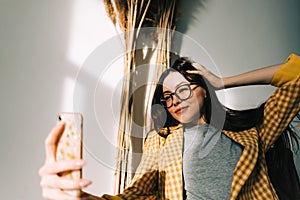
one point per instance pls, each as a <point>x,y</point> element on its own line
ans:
<point>167,91</point>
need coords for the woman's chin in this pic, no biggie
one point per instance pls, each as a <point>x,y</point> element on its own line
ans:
<point>188,119</point>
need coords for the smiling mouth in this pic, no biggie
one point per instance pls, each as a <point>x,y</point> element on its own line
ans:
<point>181,110</point>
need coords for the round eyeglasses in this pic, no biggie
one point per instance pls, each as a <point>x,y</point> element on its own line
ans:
<point>182,92</point>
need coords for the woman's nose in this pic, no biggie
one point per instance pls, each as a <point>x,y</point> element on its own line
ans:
<point>176,100</point>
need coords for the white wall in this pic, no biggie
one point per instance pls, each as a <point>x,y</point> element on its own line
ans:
<point>44,43</point>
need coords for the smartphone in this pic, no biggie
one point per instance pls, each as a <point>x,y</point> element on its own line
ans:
<point>70,144</point>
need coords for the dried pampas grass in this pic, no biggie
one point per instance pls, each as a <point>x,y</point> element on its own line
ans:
<point>132,16</point>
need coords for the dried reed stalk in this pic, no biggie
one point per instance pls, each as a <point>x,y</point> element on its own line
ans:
<point>132,16</point>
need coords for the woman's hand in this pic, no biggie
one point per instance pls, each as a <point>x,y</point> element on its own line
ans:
<point>54,186</point>
<point>214,80</point>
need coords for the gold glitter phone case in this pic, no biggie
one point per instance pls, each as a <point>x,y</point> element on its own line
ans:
<point>70,144</point>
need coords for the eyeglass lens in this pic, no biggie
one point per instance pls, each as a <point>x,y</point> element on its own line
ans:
<point>183,92</point>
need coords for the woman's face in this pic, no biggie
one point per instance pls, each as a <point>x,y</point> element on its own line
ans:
<point>185,111</point>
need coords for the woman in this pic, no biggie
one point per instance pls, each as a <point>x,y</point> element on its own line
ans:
<point>199,149</point>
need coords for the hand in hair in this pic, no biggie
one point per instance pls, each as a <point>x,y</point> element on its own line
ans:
<point>213,79</point>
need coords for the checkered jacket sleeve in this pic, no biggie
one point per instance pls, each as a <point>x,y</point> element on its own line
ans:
<point>250,180</point>
<point>283,105</point>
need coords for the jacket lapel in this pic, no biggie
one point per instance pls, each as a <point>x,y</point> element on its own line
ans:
<point>245,166</point>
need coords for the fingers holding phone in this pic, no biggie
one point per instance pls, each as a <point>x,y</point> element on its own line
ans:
<point>61,175</point>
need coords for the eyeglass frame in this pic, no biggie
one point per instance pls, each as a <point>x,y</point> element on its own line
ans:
<point>163,100</point>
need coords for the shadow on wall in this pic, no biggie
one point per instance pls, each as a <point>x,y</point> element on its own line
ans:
<point>189,10</point>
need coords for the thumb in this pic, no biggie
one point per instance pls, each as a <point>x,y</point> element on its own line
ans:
<point>52,141</point>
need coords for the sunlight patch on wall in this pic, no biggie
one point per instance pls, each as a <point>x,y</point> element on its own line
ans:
<point>88,29</point>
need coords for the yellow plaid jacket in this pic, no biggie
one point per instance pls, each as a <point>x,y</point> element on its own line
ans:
<point>159,175</point>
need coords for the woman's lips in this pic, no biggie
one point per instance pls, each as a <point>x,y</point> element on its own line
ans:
<point>181,110</point>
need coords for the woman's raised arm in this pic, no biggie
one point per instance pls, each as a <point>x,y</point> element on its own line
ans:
<point>254,77</point>
<point>277,75</point>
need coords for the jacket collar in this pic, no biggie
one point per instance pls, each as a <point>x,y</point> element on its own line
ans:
<point>164,132</point>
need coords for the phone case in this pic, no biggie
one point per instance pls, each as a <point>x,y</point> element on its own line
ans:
<point>70,144</point>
